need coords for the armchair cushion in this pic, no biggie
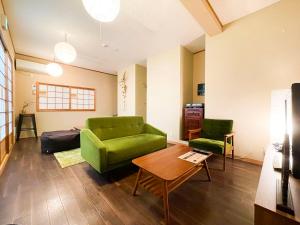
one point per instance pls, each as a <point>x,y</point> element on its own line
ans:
<point>126,148</point>
<point>215,146</point>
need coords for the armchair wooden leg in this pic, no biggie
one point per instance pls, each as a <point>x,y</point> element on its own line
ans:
<point>224,160</point>
<point>232,152</point>
<point>207,170</point>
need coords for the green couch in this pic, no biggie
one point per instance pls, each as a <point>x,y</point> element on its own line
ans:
<point>110,142</point>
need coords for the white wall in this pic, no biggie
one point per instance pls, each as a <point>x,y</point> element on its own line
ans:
<point>244,64</point>
<point>127,108</point>
<point>163,92</point>
<point>136,82</point>
<point>169,79</point>
<point>106,96</point>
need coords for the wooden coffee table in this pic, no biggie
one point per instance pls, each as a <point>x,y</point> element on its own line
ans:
<point>162,172</point>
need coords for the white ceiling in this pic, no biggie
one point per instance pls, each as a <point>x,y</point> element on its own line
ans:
<point>230,10</point>
<point>143,28</point>
<point>197,44</point>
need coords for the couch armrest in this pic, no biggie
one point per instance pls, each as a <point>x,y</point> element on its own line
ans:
<point>93,150</point>
<point>152,130</point>
<point>228,138</point>
<point>229,135</point>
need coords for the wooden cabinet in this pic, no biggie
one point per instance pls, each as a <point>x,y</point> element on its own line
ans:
<point>192,119</point>
<point>265,212</point>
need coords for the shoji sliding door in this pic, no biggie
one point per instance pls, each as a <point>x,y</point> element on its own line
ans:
<point>6,104</point>
<point>3,144</point>
<point>10,101</point>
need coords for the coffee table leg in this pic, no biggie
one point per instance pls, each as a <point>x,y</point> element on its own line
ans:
<point>137,181</point>
<point>207,171</point>
<point>166,201</point>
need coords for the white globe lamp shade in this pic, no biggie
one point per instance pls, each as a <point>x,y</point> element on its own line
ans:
<point>65,52</point>
<point>54,69</point>
<point>102,10</point>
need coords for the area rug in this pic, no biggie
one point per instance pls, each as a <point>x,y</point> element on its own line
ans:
<point>69,158</point>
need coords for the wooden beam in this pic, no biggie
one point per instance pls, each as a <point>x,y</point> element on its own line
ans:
<point>204,14</point>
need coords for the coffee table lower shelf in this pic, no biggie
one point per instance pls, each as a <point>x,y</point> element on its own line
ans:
<point>161,187</point>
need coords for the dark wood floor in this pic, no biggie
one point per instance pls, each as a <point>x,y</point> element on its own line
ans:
<point>35,190</point>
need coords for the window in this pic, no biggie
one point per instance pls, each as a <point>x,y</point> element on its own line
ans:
<point>53,97</point>
<point>10,94</point>
<point>3,79</point>
<point>6,103</point>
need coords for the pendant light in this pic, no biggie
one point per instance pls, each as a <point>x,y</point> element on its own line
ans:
<point>65,51</point>
<point>54,69</point>
<point>102,10</point>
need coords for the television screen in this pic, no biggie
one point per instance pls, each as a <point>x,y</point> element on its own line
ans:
<point>296,129</point>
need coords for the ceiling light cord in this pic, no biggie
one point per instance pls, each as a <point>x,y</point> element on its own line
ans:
<point>67,37</point>
<point>100,30</point>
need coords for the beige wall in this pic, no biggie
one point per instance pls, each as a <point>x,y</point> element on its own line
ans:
<point>198,75</point>
<point>106,96</point>
<point>252,57</point>
<point>141,91</point>
<point>163,92</point>
<point>186,82</point>
<point>186,75</point>
<point>169,79</point>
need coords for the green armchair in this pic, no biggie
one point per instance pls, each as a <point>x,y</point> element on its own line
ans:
<point>215,136</point>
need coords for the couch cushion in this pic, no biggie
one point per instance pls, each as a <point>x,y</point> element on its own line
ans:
<point>130,147</point>
<point>214,146</point>
<point>114,127</point>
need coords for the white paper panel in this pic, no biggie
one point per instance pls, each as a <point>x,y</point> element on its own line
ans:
<point>42,87</point>
<point>10,128</point>
<point>51,88</point>
<point>59,94</point>
<point>51,106</point>
<point>66,95</point>
<point>58,106</point>
<point>43,100</point>
<point>51,100</point>
<point>43,106</point>
<point>59,89</point>
<point>51,94</point>
<point>58,100</point>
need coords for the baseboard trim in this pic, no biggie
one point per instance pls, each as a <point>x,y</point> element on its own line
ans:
<point>3,164</point>
<point>174,142</point>
<point>251,161</point>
